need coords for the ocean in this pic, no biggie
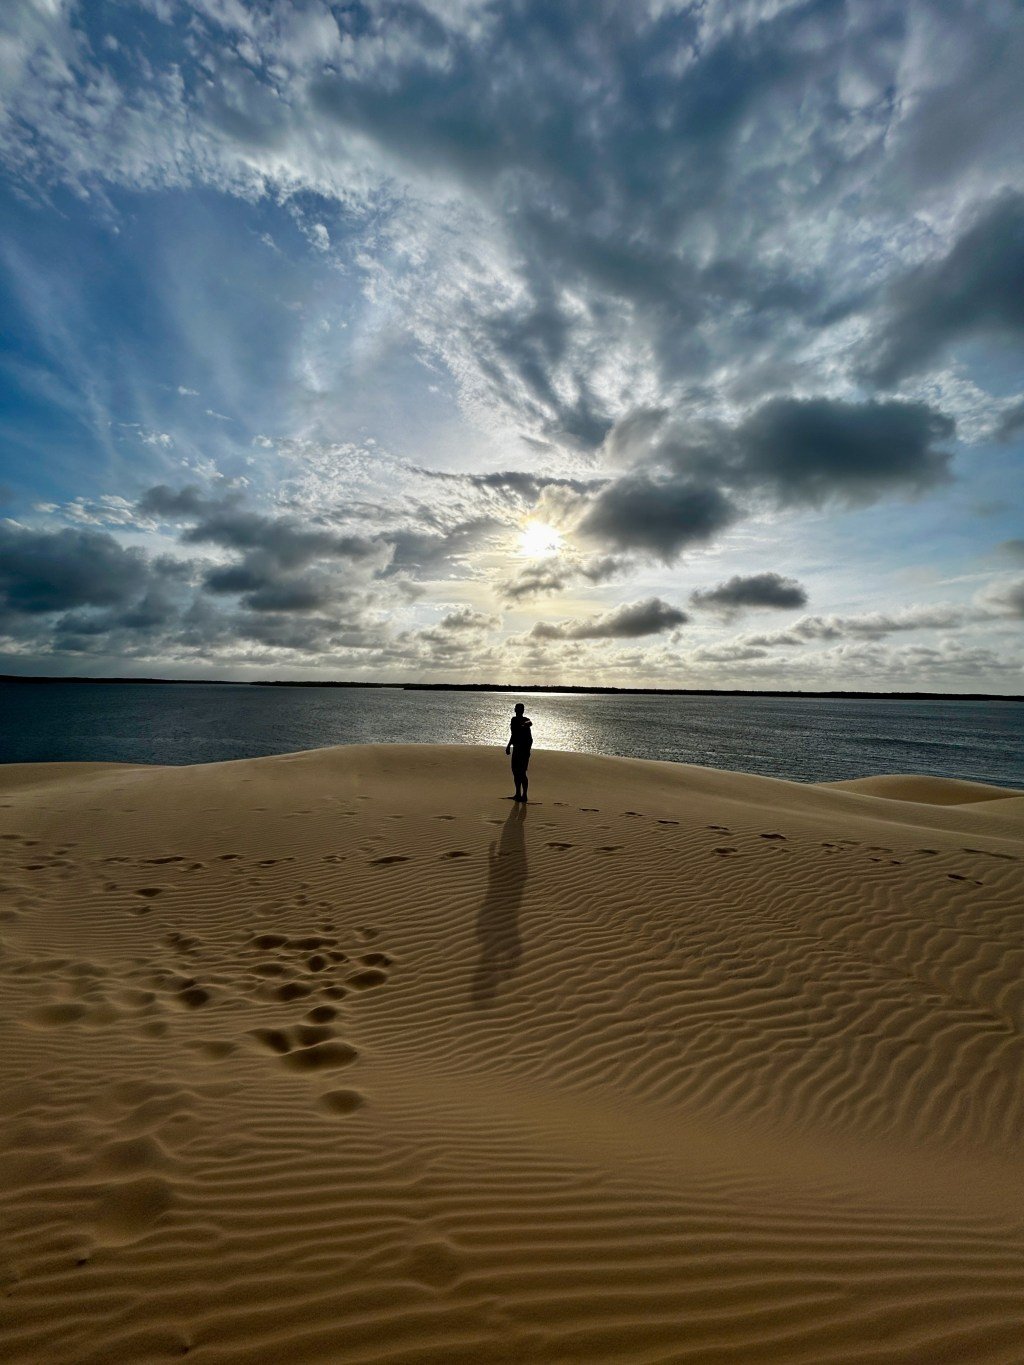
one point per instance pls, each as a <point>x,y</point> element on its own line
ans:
<point>808,739</point>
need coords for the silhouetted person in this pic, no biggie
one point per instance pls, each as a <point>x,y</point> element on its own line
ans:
<point>519,746</point>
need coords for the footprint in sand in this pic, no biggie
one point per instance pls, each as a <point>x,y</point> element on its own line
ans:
<point>609,848</point>
<point>268,941</point>
<point>455,853</point>
<point>773,836</point>
<point>306,1047</point>
<point>589,810</point>
<point>444,817</point>
<point>366,979</point>
<point>342,1101</point>
<point>960,877</point>
<point>720,829</point>
<point>724,852</point>
<point>668,822</point>
<point>553,844</point>
<point>390,858</point>
<point>57,1015</point>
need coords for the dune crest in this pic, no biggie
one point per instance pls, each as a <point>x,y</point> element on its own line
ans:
<point>343,1056</point>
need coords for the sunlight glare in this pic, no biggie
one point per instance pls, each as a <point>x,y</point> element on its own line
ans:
<point>537,540</point>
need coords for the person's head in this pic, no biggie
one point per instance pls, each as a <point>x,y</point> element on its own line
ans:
<point>520,708</point>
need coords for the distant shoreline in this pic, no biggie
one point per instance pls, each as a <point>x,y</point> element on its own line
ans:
<point>534,688</point>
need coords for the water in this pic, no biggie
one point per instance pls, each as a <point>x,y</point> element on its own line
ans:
<point>807,739</point>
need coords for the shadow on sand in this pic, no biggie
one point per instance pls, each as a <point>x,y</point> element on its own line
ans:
<point>497,922</point>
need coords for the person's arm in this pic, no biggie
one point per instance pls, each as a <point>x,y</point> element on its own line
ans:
<point>508,746</point>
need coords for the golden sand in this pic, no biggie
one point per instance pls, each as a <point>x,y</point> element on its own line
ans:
<point>342,1056</point>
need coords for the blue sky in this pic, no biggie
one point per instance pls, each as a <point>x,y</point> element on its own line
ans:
<point>642,343</point>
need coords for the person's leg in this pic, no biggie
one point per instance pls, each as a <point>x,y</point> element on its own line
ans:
<point>517,779</point>
<point>524,779</point>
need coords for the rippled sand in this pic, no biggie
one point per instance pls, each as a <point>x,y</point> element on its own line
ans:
<point>342,1056</point>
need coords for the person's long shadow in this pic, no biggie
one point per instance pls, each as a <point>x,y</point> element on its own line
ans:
<point>497,922</point>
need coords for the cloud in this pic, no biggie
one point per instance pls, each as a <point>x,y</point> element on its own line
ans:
<point>75,591</point>
<point>50,571</point>
<point>808,451</point>
<point>629,622</point>
<point>1011,422</point>
<point>564,213</point>
<point>466,619</point>
<point>769,590</point>
<point>438,553</point>
<point>555,574</point>
<point>799,451</point>
<point>976,289</point>
<point>273,572</point>
<point>687,475</point>
<point>456,640</point>
<point>1011,549</point>
<point>1005,597</point>
<point>876,625</point>
<point>660,516</point>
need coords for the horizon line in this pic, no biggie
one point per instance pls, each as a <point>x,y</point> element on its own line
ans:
<point>594,689</point>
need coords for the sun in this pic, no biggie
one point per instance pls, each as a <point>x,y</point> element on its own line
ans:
<point>537,540</point>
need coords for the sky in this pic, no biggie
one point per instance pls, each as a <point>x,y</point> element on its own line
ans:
<point>635,342</point>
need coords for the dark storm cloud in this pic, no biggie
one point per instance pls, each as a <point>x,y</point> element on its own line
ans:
<point>78,591</point>
<point>976,289</point>
<point>795,452</point>
<point>48,571</point>
<point>808,451</point>
<point>630,622</point>
<point>660,516</point>
<point>311,593</point>
<point>753,590</point>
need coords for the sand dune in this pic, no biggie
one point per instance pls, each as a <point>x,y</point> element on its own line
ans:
<point>341,1056</point>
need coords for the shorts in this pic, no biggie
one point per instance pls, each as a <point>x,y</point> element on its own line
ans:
<point>520,760</point>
